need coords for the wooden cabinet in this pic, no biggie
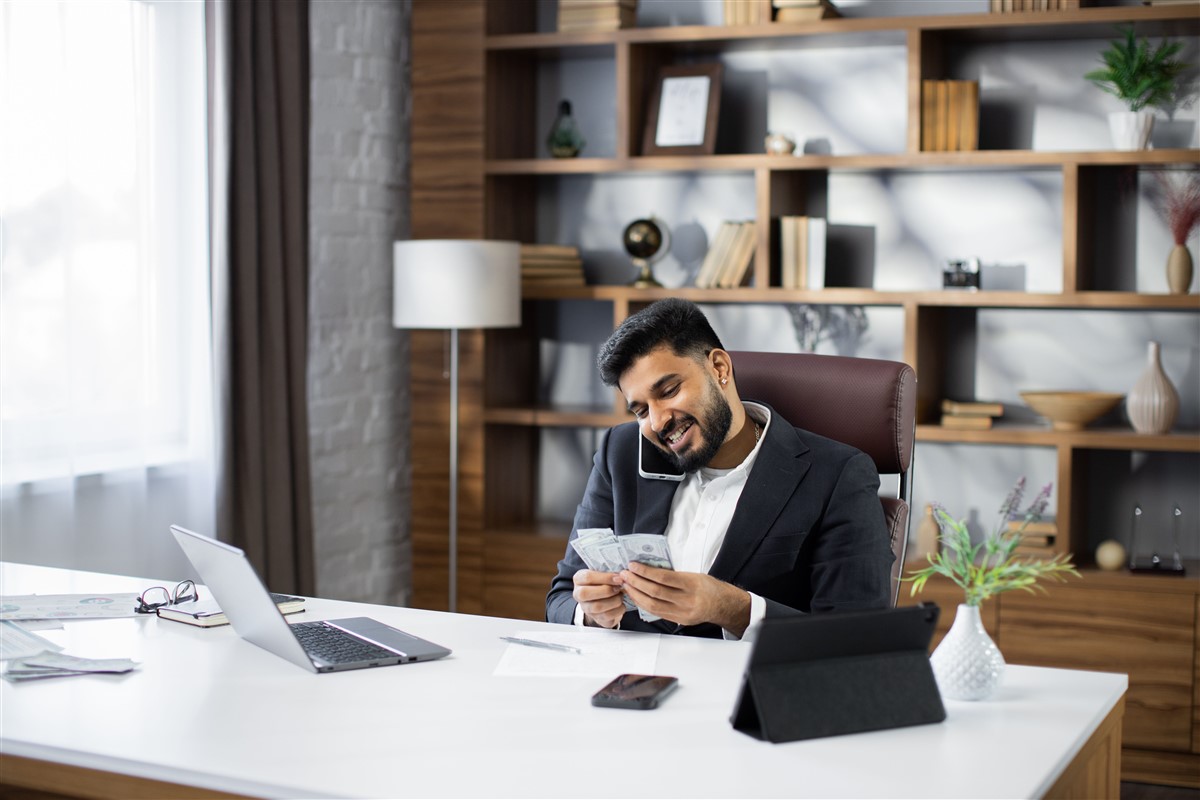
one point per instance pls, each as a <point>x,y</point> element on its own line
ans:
<point>479,172</point>
<point>1147,627</point>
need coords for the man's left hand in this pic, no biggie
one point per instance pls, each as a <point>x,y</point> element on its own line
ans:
<point>687,598</point>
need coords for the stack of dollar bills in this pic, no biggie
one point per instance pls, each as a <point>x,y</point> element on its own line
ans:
<point>604,551</point>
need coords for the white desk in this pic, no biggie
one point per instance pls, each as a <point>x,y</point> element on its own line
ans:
<point>209,710</point>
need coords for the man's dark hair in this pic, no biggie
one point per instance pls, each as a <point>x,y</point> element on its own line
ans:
<point>677,323</point>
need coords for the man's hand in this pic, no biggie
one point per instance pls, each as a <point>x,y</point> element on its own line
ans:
<point>599,595</point>
<point>687,598</point>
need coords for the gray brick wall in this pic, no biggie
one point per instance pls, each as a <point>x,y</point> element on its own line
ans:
<point>358,363</point>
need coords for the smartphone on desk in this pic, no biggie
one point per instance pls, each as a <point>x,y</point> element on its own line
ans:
<point>635,691</point>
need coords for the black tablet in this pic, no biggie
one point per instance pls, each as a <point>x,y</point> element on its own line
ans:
<point>830,674</point>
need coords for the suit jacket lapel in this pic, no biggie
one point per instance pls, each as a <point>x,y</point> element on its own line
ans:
<point>777,470</point>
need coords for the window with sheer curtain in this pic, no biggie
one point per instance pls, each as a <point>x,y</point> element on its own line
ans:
<point>105,366</point>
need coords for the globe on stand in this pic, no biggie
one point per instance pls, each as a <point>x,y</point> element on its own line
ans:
<point>646,241</point>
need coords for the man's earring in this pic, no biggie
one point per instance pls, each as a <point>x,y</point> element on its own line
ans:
<point>724,381</point>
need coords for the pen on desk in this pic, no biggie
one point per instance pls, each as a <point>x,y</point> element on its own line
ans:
<point>548,645</point>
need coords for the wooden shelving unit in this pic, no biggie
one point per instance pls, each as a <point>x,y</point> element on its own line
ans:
<point>477,174</point>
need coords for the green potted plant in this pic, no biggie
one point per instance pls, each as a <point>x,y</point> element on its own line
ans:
<point>1141,77</point>
<point>967,663</point>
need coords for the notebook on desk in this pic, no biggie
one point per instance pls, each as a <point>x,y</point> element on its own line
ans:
<point>324,646</point>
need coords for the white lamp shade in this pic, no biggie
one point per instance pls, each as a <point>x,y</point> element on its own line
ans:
<point>456,283</point>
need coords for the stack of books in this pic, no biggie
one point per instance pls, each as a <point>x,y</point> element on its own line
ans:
<point>802,252</point>
<point>949,115</point>
<point>803,10</point>
<point>596,15</point>
<point>1014,6</point>
<point>973,415</point>
<point>1038,537</point>
<point>551,265</point>
<point>727,263</point>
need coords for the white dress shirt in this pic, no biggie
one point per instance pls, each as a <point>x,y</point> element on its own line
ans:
<point>701,511</point>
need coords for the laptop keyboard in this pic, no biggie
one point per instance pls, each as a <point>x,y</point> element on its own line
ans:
<point>335,646</point>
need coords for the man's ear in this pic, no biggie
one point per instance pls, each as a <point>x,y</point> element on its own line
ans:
<point>722,366</point>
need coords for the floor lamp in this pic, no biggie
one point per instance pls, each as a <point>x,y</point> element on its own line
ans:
<point>448,284</point>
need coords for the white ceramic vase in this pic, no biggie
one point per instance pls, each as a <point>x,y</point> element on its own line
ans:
<point>1130,129</point>
<point>1152,403</point>
<point>967,663</point>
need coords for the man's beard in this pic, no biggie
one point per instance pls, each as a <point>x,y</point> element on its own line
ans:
<point>713,428</point>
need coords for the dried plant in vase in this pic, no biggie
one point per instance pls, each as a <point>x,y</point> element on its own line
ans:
<point>1178,201</point>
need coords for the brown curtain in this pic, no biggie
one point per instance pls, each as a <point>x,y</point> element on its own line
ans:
<point>259,76</point>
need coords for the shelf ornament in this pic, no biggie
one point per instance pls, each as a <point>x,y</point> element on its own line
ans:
<point>1177,200</point>
<point>967,663</point>
<point>1140,77</point>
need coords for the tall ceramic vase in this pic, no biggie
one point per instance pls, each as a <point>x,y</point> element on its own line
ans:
<point>967,663</point>
<point>1152,403</point>
<point>1179,269</point>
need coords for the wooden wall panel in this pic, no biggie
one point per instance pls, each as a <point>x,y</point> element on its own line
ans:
<point>447,202</point>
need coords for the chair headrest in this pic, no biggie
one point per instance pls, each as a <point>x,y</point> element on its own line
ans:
<point>865,402</point>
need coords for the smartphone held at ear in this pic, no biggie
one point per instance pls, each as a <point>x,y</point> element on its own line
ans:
<point>635,691</point>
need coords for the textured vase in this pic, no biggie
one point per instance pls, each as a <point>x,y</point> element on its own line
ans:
<point>1130,129</point>
<point>967,663</point>
<point>1152,403</point>
<point>1179,270</point>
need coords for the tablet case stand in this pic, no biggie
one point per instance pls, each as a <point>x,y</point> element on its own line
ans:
<point>833,674</point>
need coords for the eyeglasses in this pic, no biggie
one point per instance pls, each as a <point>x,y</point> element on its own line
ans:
<point>157,596</point>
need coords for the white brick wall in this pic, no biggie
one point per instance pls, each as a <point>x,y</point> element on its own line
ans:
<point>358,205</point>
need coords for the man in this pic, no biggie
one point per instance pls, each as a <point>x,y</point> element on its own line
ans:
<point>768,520</point>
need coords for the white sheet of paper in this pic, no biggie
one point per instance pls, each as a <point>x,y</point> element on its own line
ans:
<point>605,654</point>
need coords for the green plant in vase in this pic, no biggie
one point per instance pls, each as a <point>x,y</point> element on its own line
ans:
<point>1141,77</point>
<point>967,663</point>
<point>992,566</point>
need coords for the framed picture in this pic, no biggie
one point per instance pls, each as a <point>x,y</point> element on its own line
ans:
<point>682,116</point>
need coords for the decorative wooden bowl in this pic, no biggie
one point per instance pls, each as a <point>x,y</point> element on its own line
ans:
<point>1071,411</point>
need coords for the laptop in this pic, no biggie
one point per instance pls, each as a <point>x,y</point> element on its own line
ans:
<point>325,646</point>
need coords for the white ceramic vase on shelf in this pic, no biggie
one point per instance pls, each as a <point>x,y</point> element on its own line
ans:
<point>1152,403</point>
<point>967,663</point>
<point>1130,129</point>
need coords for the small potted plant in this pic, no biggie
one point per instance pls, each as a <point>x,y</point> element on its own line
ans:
<point>967,663</point>
<point>1141,77</point>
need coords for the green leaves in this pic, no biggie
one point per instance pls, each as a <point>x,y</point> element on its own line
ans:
<point>989,567</point>
<point>1136,74</point>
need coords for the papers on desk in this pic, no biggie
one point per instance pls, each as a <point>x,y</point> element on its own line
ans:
<point>58,665</point>
<point>603,654</point>
<point>16,642</point>
<point>68,606</point>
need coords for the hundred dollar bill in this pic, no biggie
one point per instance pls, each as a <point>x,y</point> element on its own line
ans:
<point>650,549</point>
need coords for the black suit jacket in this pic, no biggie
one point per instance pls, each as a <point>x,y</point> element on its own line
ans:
<point>808,534</point>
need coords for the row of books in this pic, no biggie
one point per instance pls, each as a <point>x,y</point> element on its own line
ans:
<point>727,263</point>
<point>803,10</point>
<point>1013,6</point>
<point>971,415</point>
<point>596,15</point>
<point>742,12</point>
<point>551,265</point>
<point>949,115</point>
<point>802,252</point>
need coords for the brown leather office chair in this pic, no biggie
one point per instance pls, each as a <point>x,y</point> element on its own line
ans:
<point>865,402</point>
